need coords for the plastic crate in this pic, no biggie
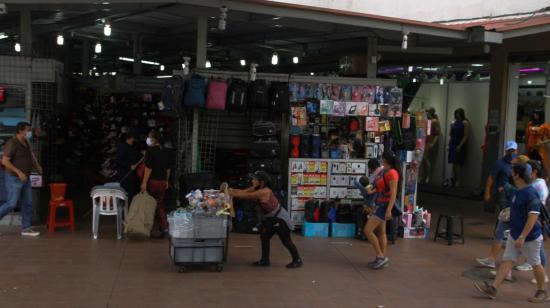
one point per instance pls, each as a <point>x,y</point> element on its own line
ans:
<point>343,230</point>
<point>315,229</point>
<point>207,227</point>
<point>188,251</point>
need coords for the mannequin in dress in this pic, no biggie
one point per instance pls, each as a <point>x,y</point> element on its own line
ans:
<point>538,138</point>
<point>460,132</point>
<point>432,141</point>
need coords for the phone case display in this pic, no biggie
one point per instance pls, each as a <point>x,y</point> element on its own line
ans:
<point>322,179</point>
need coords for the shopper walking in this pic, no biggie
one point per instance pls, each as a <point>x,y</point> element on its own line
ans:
<point>459,135</point>
<point>498,178</point>
<point>386,186</point>
<point>156,179</point>
<point>19,160</point>
<point>525,236</point>
<point>275,219</point>
<point>539,183</point>
<point>127,158</point>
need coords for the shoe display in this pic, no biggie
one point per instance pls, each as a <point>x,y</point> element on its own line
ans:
<point>487,262</point>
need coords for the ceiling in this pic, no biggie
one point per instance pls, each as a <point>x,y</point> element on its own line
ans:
<point>168,32</point>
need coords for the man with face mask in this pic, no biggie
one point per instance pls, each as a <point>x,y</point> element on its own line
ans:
<point>499,177</point>
<point>19,160</point>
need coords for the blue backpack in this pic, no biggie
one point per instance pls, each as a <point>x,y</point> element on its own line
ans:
<point>195,92</point>
<point>172,93</point>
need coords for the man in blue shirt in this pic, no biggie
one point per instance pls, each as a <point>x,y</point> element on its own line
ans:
<point>497,180</point>
<point>525,236</point>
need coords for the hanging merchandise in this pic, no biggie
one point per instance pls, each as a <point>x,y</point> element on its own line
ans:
<point>312,106</point>
<point>305,145</point>
<point>194,92</point>
<point>265,148</point>
<point>2,96</point>
<point>352,109</point>
<point>279,98</point>
<point>295,146</point>
<point>299,116</point>
<point>316,146</point>
<point>268,165</point>
<point>326,107</point>
<point>372,124</point>
<point>172,94</point>
<point>236,95</point>
<point>263,128</point>
<point>339,109</point>
<point>409,136</point>
<point>258,94</point>
<point>217,94</point>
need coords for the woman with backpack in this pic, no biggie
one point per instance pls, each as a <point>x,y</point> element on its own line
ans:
<point>385,188</point>
<point>275,219</point>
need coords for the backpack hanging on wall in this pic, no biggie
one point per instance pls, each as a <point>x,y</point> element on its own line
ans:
<point>262,128</point>
<point>217,94</point>
<point>194,92</point>
<point>172,93</point>
<point>279,97</point>
<point>269,165</point>
<point>258,94</point>
<point>236,95</point>
<point>311,207</point>
<point>265,148</point>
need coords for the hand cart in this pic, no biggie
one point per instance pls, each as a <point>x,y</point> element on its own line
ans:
<point>207,246</point>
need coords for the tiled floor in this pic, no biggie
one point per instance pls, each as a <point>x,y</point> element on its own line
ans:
<point>72,270</point>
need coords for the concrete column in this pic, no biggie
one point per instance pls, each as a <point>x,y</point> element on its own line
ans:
<point>510,126</point>
<point>85,57</point>
<point>372,52</point>
<point>498,99</point>
<point>202,37</point>
<point>26,32</point>
<point>138,54</point>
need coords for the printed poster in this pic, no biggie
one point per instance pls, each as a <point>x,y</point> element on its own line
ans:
<point>326,107</point>
<point>362,109</point>
<point>339,109</point>
<point>351,109</point>
<point>371,124</point>
<point>299,116</point>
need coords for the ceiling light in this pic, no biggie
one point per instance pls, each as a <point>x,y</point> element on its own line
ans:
<point>94,68</point>
<point>295,60</point>
<point>161,68</point>
<point>107,30</point>
<point>222,23</point>
<point>17,47</point>
<point>3,36</point>
<point>97,48</point>
<point>410,69</point>
<point>163,76</point>
<point>150,62</point>
<point>275,59</point>
<point>97,74</point>
<point>277,17</point>
<point>441,81</point>
<point>477,64</point>
<point>113,73</point>
<point>60,40</point>
<point>104,73</point>
<point>312,73</point>
<point>208,64</point>
<point>405,43</point>
<point>414,80</point>
<point>183,66</point>
<point>529,81</point>
<point>243,62</point>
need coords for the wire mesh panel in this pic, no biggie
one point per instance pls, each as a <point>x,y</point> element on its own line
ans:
<point>42,117</point>
<point>208,136</point>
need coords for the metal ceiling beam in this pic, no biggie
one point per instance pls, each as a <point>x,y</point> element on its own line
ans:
<point>418,50</point>
<point>526,31</point>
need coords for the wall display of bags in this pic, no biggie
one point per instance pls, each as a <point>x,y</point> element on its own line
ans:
<point>258,95</point>
<point>172,93</point>
<point>269,165</point>
<point>279,97</point>
<point>195,89</point>
<point>265,149</point>
<point>264,129</point>
<point>237,95</point>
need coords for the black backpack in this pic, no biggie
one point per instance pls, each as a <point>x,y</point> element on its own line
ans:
<point>310,208</point>
<point>279,97</point>
<point>236,96</point>
<point>172,93</point>
<point>258,94</point>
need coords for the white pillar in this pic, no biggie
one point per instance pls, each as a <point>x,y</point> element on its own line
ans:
<point>511,103</point>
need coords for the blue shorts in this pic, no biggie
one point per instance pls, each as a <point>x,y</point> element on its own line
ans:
<point>380,210</point>
<point>500,231</point>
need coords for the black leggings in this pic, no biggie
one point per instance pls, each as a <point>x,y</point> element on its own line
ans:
<point>272,226</point>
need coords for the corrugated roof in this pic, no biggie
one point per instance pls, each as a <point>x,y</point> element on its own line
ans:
<point>508,23</point>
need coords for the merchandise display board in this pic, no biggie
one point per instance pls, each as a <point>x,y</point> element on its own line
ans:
<point>322,179</point>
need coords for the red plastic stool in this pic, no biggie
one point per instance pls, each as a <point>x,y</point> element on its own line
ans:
<point>57,200</point>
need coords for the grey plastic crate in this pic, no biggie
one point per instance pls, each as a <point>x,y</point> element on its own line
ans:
<point>209,227</point>
<point>188,251</point>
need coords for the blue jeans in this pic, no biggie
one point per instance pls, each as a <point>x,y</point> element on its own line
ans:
<point>17,191</point>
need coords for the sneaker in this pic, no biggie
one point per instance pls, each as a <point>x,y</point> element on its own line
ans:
<point>534,281</point>
<point>380,263</point>
<point>486,289</point>
<point>486,262</point>
<point>295,264</point>
<point>507,277</point>
<point>541,296</point>
<point>525,267</point>
<point>30,232</point>
<point>373,262</point>
<point>262,263</point>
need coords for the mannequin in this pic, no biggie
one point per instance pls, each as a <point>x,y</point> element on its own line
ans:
<point>432,142</point>
<point>460,132</point>
<point>538,137</point>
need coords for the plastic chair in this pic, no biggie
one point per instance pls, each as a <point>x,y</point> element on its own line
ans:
<point>58,200</point>
<point>108,201</point>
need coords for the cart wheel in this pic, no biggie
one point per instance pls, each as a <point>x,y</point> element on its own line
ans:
<point>182,269</point>
<point>219,267</point>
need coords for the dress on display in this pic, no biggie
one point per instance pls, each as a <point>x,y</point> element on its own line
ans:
<point>534,135</point>
<point>457,134</point>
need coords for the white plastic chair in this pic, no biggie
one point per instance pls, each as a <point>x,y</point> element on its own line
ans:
<point>107,200</point>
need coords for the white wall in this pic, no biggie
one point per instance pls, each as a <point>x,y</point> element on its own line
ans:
<point>473,97</point>
<point>429,10</point>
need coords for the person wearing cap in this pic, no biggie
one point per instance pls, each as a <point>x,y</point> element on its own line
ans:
<point>525,236</point>
<point>498,178</point>
<point>275,219</point>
